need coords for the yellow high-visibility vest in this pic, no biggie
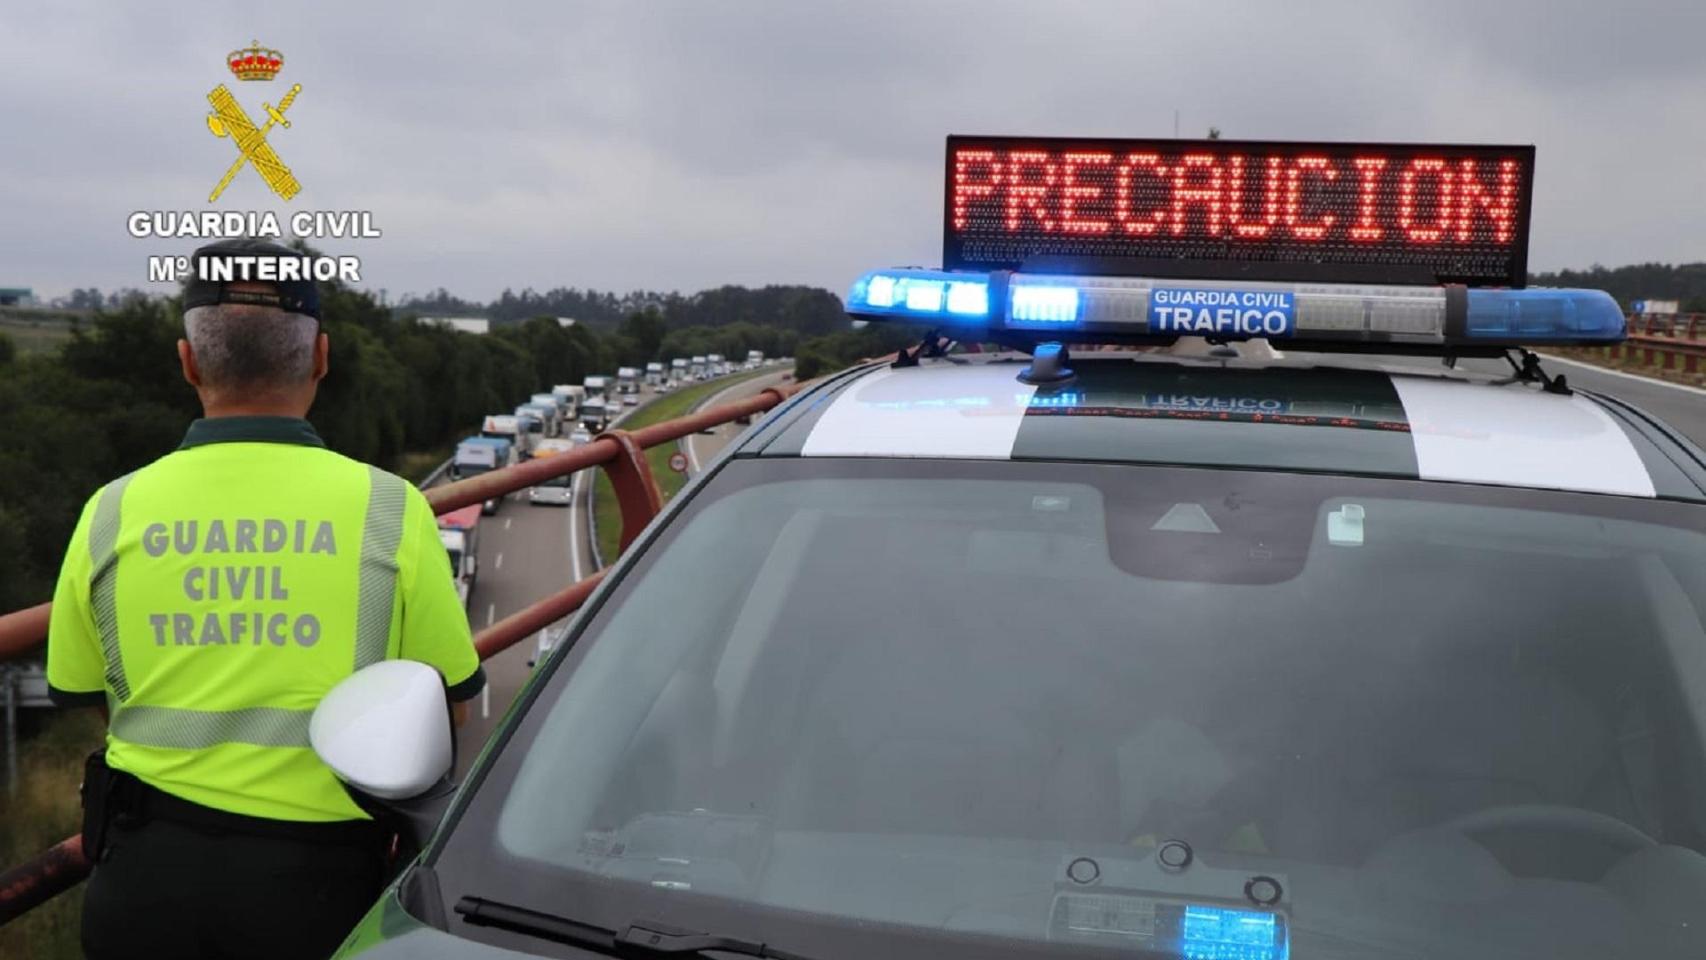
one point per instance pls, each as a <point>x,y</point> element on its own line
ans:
<point>213,597</point>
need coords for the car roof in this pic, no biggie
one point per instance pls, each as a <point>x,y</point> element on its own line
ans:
<point>1340,415</point>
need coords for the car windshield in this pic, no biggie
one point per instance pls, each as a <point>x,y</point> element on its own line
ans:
<point>984,708</point>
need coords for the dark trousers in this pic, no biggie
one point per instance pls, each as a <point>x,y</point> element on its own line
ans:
<point>167,890</point>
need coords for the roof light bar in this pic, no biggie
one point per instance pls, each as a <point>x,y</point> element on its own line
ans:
<point>1140,309</point>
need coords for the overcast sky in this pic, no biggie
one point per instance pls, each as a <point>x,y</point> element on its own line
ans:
<point>679,145</point>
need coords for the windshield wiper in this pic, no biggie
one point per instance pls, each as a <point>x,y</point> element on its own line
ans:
<point>640,936</point>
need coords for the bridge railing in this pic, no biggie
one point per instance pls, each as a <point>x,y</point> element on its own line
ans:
<point>619,452</point>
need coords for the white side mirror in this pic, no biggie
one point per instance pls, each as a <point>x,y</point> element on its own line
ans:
<point>385,730</point>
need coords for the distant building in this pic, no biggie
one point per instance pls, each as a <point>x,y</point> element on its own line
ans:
<point>464,324</point>
<point>565,321</point>
<point>16,297</point>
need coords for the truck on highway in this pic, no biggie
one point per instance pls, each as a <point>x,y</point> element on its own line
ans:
<point>458,530</point>
<point>482,454</point>
<point>544,410</point>
<point>596,386</point>
<point>696,369</point>
<point>678,371</point>
<point>501,426</point>
<point>557,491</point>
<point>594,416</point>
<point>569,400</point>
<point>548,402</point>
<point>628,380</point>
<point>654,374</point>
<point>715,366</point>
<point>754,359</point>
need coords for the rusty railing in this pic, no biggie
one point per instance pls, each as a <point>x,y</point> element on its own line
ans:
<point>620,453</point>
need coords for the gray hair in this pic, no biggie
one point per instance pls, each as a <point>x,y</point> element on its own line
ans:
<point>247,345</point>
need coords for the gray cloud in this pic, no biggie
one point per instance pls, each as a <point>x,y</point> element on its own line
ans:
<point>682,144</point>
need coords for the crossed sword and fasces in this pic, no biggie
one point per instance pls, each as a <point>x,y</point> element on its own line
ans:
<point>228,119</point>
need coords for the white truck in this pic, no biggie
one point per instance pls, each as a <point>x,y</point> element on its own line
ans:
<point>594,417</point>
<point>627,380</point>
<point>754,359</point>
<point>696,371</point>
<point>457,531</point>
<point>596,386</point>
<point>678,371</point>
<point>508,427</point>
<point>569,398</point>
<point>548,402</point>
<point>714,365</point>
<point>544,406</point>
<point>654,374</point>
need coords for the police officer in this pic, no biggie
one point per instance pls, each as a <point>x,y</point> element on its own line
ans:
<point>209,601</point>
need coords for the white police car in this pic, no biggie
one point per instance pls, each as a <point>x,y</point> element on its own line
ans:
<point>1082,652</point>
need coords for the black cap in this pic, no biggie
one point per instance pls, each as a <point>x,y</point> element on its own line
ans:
<point>293,295</point>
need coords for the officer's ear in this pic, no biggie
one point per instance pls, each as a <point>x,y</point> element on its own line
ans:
<point>322,356</point>
<point>186,358</point>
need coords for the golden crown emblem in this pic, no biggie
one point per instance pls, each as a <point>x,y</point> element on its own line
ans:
<point>255,62</point>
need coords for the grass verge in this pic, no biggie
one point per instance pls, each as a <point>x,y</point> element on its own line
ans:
<point>42,812</point>
<point>607,517</point>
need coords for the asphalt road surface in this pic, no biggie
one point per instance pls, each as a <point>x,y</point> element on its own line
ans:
<point>527,551</point>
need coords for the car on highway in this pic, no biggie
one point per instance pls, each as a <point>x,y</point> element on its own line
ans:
<point>1299,644</point>
<point>580,435</point>
<point>630,399</point>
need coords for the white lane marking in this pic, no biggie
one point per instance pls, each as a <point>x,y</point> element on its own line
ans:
<point>946,411</point>
<point>491,613</point>
<point>486,702</point>
<point>574,526</point>
<point>1518,437</point>
<point>506,522</point>
<point>1596,368</point>
<point>498,564</point>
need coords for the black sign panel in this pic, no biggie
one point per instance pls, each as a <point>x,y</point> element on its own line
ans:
<point>1339,212</point>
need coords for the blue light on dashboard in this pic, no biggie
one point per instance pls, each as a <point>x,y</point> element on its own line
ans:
<point>1220,933</point>
<point>1043,304</point>
<point>968,298</point>
<point>1537,315</point>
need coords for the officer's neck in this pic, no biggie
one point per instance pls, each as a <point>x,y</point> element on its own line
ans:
<point>215,406</point>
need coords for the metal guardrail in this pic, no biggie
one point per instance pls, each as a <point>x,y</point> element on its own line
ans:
<point>618,452</point>
<point>1667,341</point>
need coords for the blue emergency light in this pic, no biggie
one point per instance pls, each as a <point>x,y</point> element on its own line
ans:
<point>1016,305</point>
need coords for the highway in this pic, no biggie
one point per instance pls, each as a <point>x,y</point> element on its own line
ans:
<point>702,448</point>
<point>528,551</point>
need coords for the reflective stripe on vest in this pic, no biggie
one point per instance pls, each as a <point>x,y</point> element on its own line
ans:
<point>190,729</point>
<point>381,534</point>
<point>181,729</point>
<point>103,567</point>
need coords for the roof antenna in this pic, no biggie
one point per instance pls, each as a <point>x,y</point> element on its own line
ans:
<point>1048,366</point>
